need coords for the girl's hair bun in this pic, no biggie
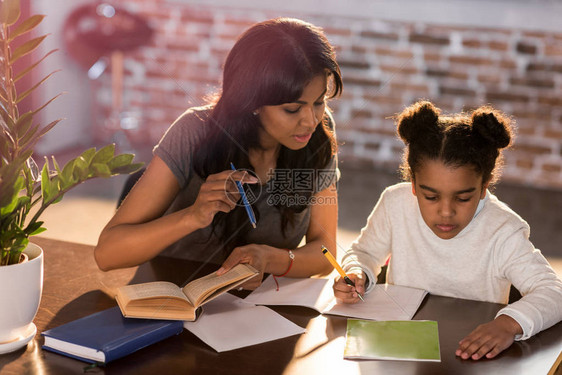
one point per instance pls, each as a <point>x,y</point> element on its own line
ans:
<point>418,120</point>
<point>492,126</point>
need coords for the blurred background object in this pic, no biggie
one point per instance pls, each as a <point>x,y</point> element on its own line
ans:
<point>459,54</point>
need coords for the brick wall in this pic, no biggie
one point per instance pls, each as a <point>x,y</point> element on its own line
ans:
<point>386,65</point>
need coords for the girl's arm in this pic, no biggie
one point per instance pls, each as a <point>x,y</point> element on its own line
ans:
<point>138,231</point>
<point>539,308</point>
<point>309,259</point>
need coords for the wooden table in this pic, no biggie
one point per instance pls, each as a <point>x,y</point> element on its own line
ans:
<point>74,287</point>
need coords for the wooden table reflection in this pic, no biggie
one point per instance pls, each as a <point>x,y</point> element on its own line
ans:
<point>74,287</point>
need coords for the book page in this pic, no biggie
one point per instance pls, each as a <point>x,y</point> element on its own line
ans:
<point>230,323</point>
<point>151,290</point>
<point>312,293</point>
<point>207,287</point>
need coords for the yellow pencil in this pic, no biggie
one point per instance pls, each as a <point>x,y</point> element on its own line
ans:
<point>338,268</point>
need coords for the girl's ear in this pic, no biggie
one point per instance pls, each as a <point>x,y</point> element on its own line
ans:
<point>413,186</point>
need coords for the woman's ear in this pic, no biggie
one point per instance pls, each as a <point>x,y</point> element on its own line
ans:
<point>484,189</point>
<point>413,185</point>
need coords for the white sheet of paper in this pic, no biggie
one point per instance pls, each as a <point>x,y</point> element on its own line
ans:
<point>228,323</point>
<point>384,302</point>
<point>312,293</point>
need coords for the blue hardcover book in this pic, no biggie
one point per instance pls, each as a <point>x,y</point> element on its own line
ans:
<point>107,335</point>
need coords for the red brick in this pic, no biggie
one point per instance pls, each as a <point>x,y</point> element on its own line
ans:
<point>404,54</point>
<point>410,87</point>
<point>396,68</point>
<point>493,96</point>
<point>472,43</point>
<point>553,133</point>
<point>457,91</point>
<point>498,46</point>
<point>379,35</point>
<point>353,63</point>
<point>551,168</point>
<point>429,39</point>
<point>469,60</point>
<point>532,149</point>
<point>524,164</point>
<point>431,56</point>
<point>489,78</point>
<point>534,34</point>
<point>544,67</point>
<point>508,64</point>
<point>350,80</point>
<point>553,50</point>
<point>526,48</point>
<point>550,100</point>
<point>337,31</point>
<point>446,73</point>
<point>361,113</point>
<point>532,82</point>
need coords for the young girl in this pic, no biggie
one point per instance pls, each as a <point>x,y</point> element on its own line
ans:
<point>447,234</point>
<point>270,120</point>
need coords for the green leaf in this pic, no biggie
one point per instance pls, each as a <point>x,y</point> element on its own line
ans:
<point>80,169</point>
<point>46,104</point>
<point>26,48</point>
<point>9,11</point>
<point>39,230</point>
<point>88,155</point>
<point>120,160</point>
<point>33,227</point>
<point>101,170</point>
<point>66,174</point>
<point>27,92</point>
<point>104,155</point>
<point>32,66</point>
<point>127,169</point>
<point>23,124</point>
<point>27,25</point>
<point>45,182</point>
<point>48,127</point>
<point>13,201</point>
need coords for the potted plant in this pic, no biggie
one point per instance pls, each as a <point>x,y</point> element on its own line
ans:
<point>26,191</point>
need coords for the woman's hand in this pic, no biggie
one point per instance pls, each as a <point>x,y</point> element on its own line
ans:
<point>255,255</point>
<point>346,293</point>
<point>218,193</point>
<point>489,339</point>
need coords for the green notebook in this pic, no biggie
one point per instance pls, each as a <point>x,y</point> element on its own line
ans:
<point>403,340</point>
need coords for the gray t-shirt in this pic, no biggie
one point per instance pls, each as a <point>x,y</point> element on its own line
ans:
<point>176,148</point>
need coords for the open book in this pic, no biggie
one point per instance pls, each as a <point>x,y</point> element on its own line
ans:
<point>384,302</point>
<point>165,300</point>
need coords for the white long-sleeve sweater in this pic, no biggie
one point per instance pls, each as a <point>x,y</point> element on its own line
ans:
<point>480,263</point>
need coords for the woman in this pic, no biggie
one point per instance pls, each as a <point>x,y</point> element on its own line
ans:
<point>269,120</point>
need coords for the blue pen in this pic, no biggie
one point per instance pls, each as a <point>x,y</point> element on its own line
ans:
<point>247,206</point>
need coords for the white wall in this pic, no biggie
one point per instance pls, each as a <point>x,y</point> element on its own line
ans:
<point>522,14</point>
<point>74,105</point>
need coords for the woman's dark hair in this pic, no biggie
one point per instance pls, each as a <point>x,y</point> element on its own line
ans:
<point>270,64</point>
<point>474,139</point>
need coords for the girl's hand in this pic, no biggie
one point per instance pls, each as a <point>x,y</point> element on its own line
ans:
<point>254,255</point>
<point>346,293</point>
<point>489,339</point>
<point>218,193</point>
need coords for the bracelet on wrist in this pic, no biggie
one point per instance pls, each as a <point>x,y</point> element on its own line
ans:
<point>291,260</point>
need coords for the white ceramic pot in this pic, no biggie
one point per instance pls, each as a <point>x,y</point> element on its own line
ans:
<point>21,286</point>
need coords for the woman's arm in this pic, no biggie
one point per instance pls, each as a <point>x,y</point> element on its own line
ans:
<point>138,231</point>
<point>309,259</point>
